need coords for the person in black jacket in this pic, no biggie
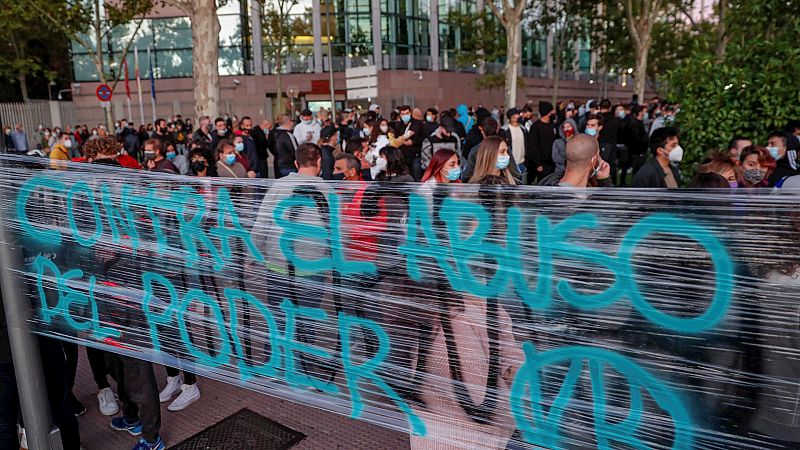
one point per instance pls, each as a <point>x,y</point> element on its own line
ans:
<point>329,137</point>
<point>285,146</point>
<point>475,135</point>
<point>414,132</point>
<point>539,157</point>
<point>786,158</point>
<point>660,171</point>
<point>634,136</point>
<point>259,134</point>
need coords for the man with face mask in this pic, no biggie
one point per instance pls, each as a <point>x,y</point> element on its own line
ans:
<point>444,137</point>
<point>583,167</point>
<point>162,132</point>
<point>413,131</point>
<point>221,132</point>
<point>347,167</point>
<point>307,131</point>
<point>61,149</point>
<point>329,138</point>
<point>787,164</point>
<point>539,154</point>
<point>660,171</point>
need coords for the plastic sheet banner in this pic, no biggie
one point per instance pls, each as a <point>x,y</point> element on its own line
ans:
<point>467,316</point>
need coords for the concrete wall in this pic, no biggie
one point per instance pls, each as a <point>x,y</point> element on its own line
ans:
<point>249,97</point>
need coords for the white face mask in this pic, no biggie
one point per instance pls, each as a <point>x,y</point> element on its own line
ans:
<point>384,129</point>
<point>380,164</point>
<point>68,143</point>
<point>676,155</point>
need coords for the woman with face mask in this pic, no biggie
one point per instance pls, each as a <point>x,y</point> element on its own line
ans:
<point>238,143</point>
<point>755,166</point>
<point>443,168</point>
<point>492,162</point>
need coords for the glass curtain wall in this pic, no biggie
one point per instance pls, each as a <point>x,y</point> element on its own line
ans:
<point>292,52</point>
<point>170,44</point>
<point>405,34</point>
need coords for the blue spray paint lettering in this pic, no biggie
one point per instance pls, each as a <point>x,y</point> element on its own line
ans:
<point>125,218</point>
<point>41,236</point>
<point>69,297</point>
<point>74,191</point>
<point>192,230</point>
<point>226,211</point>
<point>368,369</point>
<point>246,371</point>
<point>300,233</point>
<point>545,428</point>
<point>223,356</point>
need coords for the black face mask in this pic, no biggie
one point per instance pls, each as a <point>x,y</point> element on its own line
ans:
<point>163,130</point>
<point>198,166</point>
<point>338,176</point>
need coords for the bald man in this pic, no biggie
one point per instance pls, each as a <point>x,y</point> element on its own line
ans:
<point>583,164</point>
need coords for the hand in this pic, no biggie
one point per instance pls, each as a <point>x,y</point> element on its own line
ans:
<point>251,174</point>
<point>604,170</point>
<point>151,164</point>
<point>540,169</point>
<point>409,134</point>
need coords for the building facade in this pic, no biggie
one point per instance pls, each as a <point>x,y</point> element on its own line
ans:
<point>419,46</point>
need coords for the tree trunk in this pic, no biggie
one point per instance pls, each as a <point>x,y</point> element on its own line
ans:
<point>722,33</point>
<point>513,30</point>
<point>205,57</point>
<point>642,54</point>
<point>23,87</point>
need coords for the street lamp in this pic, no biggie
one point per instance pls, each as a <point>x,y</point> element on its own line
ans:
<point>50,90</point>
<point>63,90</point>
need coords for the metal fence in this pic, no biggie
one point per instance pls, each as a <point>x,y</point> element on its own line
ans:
<point>47,113</point>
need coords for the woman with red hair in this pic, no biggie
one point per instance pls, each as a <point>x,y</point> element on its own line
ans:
<point>756,167</point>
<point>443,168</point>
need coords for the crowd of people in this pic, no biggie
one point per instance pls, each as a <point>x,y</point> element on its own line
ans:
<point>535,137</point>
<point>571,145</point>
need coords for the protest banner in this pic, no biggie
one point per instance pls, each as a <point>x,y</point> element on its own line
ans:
<point>461,314</point>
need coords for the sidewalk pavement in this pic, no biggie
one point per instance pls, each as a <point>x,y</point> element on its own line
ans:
<point>323,430</point>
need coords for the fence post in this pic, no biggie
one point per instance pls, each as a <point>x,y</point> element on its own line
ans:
<point>39,428</point>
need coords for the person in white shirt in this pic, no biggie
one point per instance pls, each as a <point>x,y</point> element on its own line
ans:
<point>307,131</point>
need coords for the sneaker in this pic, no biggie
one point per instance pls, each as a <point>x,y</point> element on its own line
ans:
<point>78,408</point>
<point>120,424</point>
<point>173,387</point>
<point>190,393</point>
<point>107,402</point>
<point>144,445</point>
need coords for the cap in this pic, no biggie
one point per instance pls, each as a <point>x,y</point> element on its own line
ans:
<point>327,132</point>
<point>545,108</point>
<point>374,107</point>
<point>512,112</point>
<point>306,112</point>
<point>448,123</point>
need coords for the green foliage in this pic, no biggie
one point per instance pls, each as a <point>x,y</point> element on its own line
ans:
<point>482,37</point>
<point>753,90</point>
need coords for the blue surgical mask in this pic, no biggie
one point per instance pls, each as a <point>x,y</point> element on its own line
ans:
<point>734,184</point>
<point>502,162</point>
<point>230,159</point>
<point>621,114</point>
<point>591,131</point>
<point>171,155</point>
<point>405,118</point>
<point>429,119</point>
<point>774,152</point>
<point>239,146</point>
<point>454,173</point>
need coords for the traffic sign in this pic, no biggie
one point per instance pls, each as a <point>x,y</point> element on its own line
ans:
<point>103,92</point>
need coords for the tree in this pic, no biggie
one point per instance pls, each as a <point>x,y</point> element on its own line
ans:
<point>205,53</point>
<point>17,62</point>
<point>750,87</point>
<point>641,17</point>
<point>565,20</point>
<point>510,14</point>
<point>279,32</point>
<point>91,24</point>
